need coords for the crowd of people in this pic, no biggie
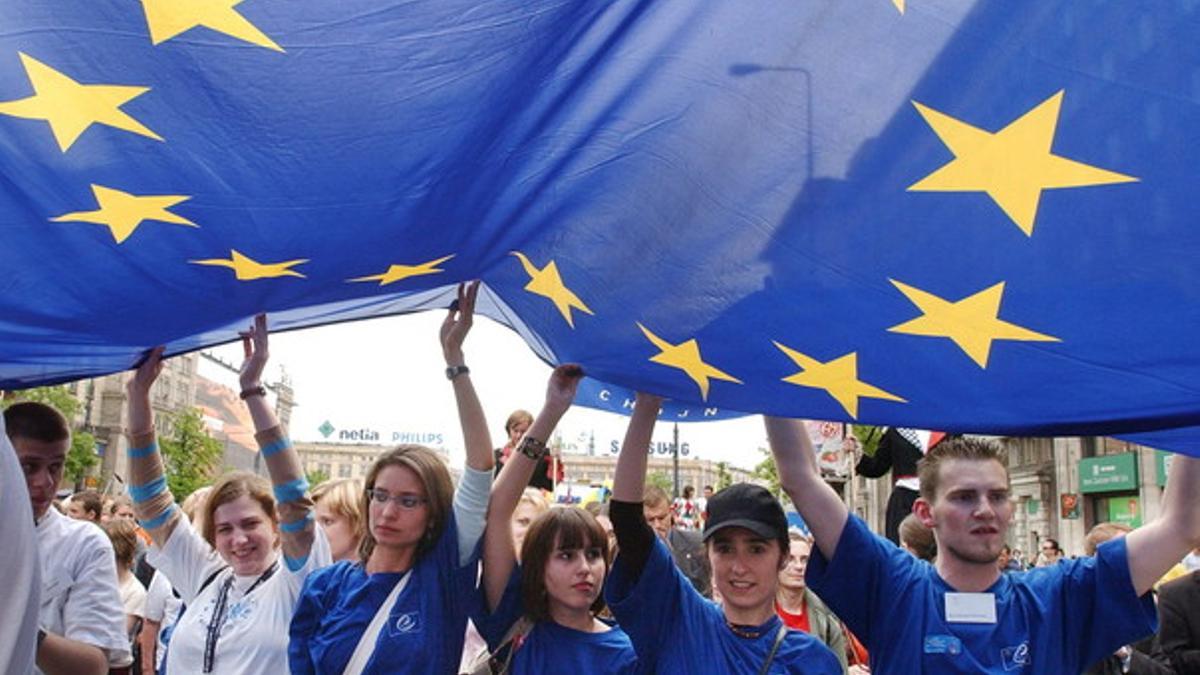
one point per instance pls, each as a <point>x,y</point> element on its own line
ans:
<point>406,571</point>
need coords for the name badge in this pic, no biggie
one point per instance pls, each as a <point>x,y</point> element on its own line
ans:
<point>970,608</point>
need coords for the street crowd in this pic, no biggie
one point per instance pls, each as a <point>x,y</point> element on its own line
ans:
<point>407,572</point>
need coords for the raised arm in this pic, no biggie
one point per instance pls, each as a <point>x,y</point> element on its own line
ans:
<point>796,462</point>
<point>153,503</point>
<point>634,536</point>
<point>1156,546</point>
<point>297,526</point>
<point>498,554</point>
<point>471,497</point>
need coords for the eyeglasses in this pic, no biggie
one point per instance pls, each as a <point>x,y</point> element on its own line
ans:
<point>406,501</point>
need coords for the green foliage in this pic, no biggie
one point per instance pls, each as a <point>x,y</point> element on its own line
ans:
<point>80,458</point>
<point>868,437</point>
<point>661,480</point>
<point>82,455</point>
<point>190,455</point>
<point>724,478</point>
<point>767,472</point>
<point>316,477</point>
<point>56,397</point>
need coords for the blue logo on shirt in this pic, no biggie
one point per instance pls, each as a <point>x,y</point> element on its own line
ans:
<point>943,644</point>
<point>1016,657</point>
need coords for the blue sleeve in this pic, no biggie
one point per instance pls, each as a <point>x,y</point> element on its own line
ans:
<point>651,607</point>
<point>1099,606</point>
<point>865,581</point>
<point>492,626</point>
<point>306,620</point>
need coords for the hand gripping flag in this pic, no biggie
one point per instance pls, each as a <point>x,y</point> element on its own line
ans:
<point>968,216</point>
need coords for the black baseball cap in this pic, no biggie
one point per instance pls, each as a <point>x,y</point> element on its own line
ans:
<point>746,505</point>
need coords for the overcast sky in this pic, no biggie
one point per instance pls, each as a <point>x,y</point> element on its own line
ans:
<point>387,376</point>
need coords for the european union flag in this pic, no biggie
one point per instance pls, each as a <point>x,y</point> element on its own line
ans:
<point>944,214</point>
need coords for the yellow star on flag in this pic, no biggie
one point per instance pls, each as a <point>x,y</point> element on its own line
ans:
<point>123,212</point>
<point>396,273</point>
<point>1013,166</point>
<point>839,378</point>
<point>973,323</point>
<point>169,18</point>
<point>70,107</point>
<point>246,269</point>
<point>546,282</point>
<point>686,357</point>
<point>899,5</point>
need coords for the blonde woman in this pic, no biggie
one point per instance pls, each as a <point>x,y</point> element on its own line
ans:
<point>240,575</point>
<point>339,513</point>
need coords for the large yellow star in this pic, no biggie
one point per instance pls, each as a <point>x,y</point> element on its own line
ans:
<point>1013,165</point>
<point>839,378</point>
<point>973,323</point>
<point>396,273</point>
<point>168,18</point>
<point>123,212</point>
<point>71,107</point>
<point>686,357</point>
<point>246,269</point>
<point>899,5</point>
<point>547,283</point>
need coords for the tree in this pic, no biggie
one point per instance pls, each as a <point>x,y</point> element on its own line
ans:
<point>868,437</point>
<point>767,472</point>
<point>662,480</point>
<point>191,456</point>
<point>316,477</point>
<point>724,478</point>
<point>82,455</point>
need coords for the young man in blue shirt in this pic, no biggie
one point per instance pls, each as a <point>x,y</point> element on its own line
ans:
<point>961,615</point>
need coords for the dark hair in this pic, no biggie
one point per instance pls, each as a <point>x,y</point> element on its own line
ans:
<point>1054,543</point>
<point>36,421</point>
<point>559,528</point>
<point>90,501</point>
<point>439,493</point>
<point>960,447</point>
<point>688,491</point>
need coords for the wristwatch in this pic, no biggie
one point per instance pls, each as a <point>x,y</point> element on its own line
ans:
<point>454,371</point>
<point>253,391</point>
<point>532,448</point>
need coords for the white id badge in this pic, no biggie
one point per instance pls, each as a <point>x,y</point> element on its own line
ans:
<point>970,608</point>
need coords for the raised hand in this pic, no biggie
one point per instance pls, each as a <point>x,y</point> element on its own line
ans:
<point>146,373</point>
<point>560,392</point>
<point>458,323</point>
<point>254,345</point>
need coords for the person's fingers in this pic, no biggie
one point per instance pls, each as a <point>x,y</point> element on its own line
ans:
<point>246,349</point>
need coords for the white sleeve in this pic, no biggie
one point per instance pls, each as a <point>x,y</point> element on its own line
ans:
<point>20,594</point>
<point>93,612</point>
<point>186,559</point>
<point>470,510</point>
<point>156,597</point>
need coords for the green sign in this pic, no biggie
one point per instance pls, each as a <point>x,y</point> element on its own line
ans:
<point>1125,510</point>
<point>1162,460</point>
<point>1110,473</point>
<point>1031,506</point>
<point>326,428</point>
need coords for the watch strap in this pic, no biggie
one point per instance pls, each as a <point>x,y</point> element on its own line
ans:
<point>532,447</point>
<point>454,371</point>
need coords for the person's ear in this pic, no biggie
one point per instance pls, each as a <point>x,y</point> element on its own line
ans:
<point>923,510</point>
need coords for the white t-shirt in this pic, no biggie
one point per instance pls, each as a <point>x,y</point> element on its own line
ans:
<point>254,634</point>
<point>161,606</point>
<point>80,600</point>
<point>21,587</point>
<point>133,596</point>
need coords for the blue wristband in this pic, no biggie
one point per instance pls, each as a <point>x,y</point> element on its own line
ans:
<point>291,491</point>
<point>143,493</point>
<point>275,447</point>
<point>294,564</point>
<point>143,453</point>
<point>159,520</point>
<point>297,525</point>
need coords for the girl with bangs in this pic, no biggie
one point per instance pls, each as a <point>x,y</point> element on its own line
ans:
<point>541,616</point>
<point>401,604</point>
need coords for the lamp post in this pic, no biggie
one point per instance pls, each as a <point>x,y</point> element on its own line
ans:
<point>675,457</point>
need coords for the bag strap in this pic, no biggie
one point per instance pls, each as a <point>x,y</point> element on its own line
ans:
<point>366,644</point>
<point>774,648</point>
<point>519,629</point>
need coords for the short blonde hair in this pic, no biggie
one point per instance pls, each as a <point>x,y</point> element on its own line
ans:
<point>123,534</point>
<point>534,498</point>
<point>344,497</point>
<point>1102,533</point>
<point>193,506</point>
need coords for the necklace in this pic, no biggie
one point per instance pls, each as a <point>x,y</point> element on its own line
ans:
<point>748,632</point>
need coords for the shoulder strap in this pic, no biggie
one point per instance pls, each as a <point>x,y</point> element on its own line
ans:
<point>366,644</point>
<point>207,582</point>
<point>783,629</point>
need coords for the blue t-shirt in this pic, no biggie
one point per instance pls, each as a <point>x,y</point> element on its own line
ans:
<point>1057,619</point>
<point>425,629</point>
<point>549,647</point>
<point>674,629</point>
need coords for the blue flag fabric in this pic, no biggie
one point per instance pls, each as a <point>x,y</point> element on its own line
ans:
<point>971,216</point>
